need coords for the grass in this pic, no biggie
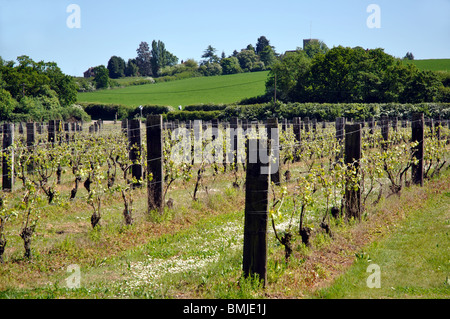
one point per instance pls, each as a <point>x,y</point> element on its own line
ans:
<point>216,89</point>
<point>414,260</point>
<point>431,64</point>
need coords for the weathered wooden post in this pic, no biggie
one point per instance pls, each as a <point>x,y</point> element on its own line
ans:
<point>67,130</point>
<point>298,136</point>
<point>256,213</point>
<point>273,135</point>
<point>417,127</point>
<point>385,132</point>
<point>8,157</point>
<point>155,145</point>
<point>352,158</point>
<point>31,133</point>
<point>135,149</point>
<point>52,131</point>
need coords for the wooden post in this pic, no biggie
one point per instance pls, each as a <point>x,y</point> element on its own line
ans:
<point>273,136</point>
<point>256,214</point>
<point>52,131</point>
<point>8,157</point>
<point>134,139</point>
<point>31,133</point>
<point>67,130</point>
<point>155,163</point>
<point>417,127</point>
<point>298,136</point>
<point>352,158</point>
<point>385,132</point>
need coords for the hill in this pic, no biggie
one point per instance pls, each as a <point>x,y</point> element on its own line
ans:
<point>214,89</point>
<point>431,64</point>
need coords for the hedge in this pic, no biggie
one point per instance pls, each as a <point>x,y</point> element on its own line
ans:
<point>108,111</point>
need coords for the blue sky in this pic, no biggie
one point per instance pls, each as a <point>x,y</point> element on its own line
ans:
<point>38,28</point>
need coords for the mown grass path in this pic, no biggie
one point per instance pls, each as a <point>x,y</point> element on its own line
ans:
<point>413,259</point>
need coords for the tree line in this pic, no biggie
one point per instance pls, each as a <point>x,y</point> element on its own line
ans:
<point>353,75</point>
<point>31,90</point>
<point>157,62</point>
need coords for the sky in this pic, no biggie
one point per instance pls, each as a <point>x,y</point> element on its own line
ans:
<point>50,30</point>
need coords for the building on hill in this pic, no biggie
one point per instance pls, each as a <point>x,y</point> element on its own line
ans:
<point>306,41</point>
<point>89,73</point>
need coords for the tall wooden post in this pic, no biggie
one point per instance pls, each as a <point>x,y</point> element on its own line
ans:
<point>8,157</point>
<point>155,162</point>
<point>134,139</point>
<point>298,136</point>
<point>256,214</point>
<point>31,133</point>
<point>385,131</point>
<point>417,126</point>
<point>52,131</point>
<point>352,158</point>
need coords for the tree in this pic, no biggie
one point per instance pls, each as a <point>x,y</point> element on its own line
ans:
<point>116,67</point>
<point>409,56</point>
<point>261,44</point>
<point>143,59</point>
<point>292,68</point>
<point>314,47</point>
<point>131,69</point>
<point>101,78</point>
<point>210,55</point>
<point>247,60</point>
<point>7,104</point>
<point>230,65</point>
<point>210,69</point>
<point>160,57</point>
<point>267,55</point>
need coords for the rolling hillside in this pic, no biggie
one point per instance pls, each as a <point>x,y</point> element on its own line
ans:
<point>432,64</point>
<point>217,89</point>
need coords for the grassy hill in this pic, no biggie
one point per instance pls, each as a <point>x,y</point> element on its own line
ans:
<point>431,64</point>
<point>216,89</point>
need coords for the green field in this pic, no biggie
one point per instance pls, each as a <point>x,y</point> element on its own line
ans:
<point>432,64</point>
<point>216,89</point>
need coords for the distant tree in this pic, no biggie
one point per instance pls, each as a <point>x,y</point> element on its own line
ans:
<point>191,64</point>
<point>7,104</point>
<point>230,65</point>
<point>261,44</point>
<point>101,78</point>
<point>116,67</point>
<point>131,69</point>
<point>288,71</point>
<point>409,56</point>
<point>267,55</point>
<point>250,47</point>
<point>160,57</point>
<point>210,69</point>
<point>315,47</point>
<point>209,55</point>
<point>143,59</point>
<point>247,59</point>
